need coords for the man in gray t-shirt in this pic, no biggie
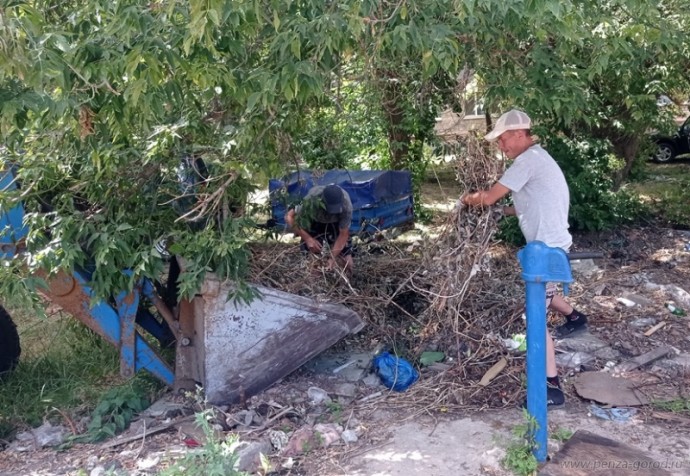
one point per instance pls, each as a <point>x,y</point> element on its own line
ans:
<point>325,214</point>
<point>542,200</point>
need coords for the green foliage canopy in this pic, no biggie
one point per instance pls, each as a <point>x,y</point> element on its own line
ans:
<point>100,101</point>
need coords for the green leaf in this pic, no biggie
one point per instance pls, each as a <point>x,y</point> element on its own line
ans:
<point>428,358</point>
<point>276,20</point>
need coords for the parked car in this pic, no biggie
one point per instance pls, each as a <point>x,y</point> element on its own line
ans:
<point>668,148</point>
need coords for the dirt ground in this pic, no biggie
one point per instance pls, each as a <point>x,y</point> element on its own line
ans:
<point>396,436</point>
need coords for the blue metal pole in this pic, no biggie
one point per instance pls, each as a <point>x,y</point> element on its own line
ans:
<point>536,365</point>
<point>540,264</point>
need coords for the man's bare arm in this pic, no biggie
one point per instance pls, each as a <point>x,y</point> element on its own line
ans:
<point>486,197</point>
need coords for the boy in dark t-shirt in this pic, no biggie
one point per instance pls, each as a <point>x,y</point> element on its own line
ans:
<point>325,215</point>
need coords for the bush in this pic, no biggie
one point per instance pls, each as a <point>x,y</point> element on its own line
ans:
<point>589,166</point>
<point>673,207</point>
<point>509,231</point>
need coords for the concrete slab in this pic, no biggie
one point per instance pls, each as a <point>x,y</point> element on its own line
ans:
<point>458,447</point>
<point>476,445</point>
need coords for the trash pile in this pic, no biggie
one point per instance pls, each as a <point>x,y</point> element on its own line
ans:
<point>458,294</point>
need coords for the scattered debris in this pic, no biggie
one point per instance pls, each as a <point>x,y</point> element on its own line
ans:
<point>349,436</point>
<point>44,436</point>
<point>493,372</point>
<point>588,343</point>
<point>428,358</point>
<point>124,439</point>
<point>626,302</point>
<point>518,342</point>
<point>317,396</point>
<point>620,415</point>
<point>395,372</point>
<point>279,439</point>
<point>655,328</point>
<point>676,311</point>
<point>643,322</point>
<point>573,360</point>
<point>249,455</point>
<point>639,300</point>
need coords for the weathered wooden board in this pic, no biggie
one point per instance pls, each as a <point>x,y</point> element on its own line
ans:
<point>644,359</point>
<point>586,453</point>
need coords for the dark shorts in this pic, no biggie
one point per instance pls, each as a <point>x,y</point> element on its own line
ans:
<point>327,232</point>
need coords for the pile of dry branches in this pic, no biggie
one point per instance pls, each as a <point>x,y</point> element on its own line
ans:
<point>458,293</point>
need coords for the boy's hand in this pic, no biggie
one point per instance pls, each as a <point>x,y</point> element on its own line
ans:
<point>313,245</point>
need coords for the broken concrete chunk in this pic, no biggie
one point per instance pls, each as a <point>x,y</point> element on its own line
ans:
<point>349,436</point>
<point>249,456</point>
<point>317,396</point>
<point>164,409</point>
<point>371,380</point>
<point>279,439</point>
<point>44,436</point>
<point>585,267</point>
<point>346,390</point>
<point>327,434</point>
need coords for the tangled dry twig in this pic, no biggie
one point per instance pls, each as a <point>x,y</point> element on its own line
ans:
<point>457,292</point>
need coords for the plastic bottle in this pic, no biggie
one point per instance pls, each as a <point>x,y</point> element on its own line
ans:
<point>676,311</point>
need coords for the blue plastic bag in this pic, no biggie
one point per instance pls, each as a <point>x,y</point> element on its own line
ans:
<point>395,373</point>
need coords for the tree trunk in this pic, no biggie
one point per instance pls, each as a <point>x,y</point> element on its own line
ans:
<point>398,137</point>
<point>626,147</point>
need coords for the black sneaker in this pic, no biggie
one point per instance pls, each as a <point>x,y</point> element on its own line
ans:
<point>554,397</point>
<point>570,329</point>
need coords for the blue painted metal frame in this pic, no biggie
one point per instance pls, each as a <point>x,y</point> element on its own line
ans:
<point>12,227</point>
<point>541,264</point>
<point>116,326</point>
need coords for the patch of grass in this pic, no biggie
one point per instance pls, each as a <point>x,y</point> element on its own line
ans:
<point>519,457</point>
<point>213,457</point>
<point>336,410</point>
<point>65,369</point>
<point>116,409</point>
<point>561,434</point>
<point>666,190</point>
<point>681,406</point>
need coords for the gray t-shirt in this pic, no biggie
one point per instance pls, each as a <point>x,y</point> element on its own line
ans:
<point>321,216</point>
<point>541,197</point>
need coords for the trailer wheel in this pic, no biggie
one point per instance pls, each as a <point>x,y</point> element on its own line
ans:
<point>9,343</point>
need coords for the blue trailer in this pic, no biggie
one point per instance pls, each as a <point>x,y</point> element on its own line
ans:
<point>233,350</point>
<point>381,199</point>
